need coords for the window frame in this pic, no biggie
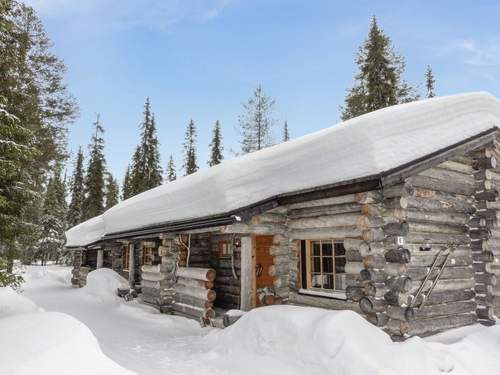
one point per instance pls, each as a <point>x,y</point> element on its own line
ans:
<point>309,289</point>
<point>230,246</point>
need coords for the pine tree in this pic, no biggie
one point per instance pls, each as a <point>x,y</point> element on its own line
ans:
<point>256,123</point>
<point>146,172</point>
<point>93,203</point>
<point>126,188</point>
<point>112,191</point>
<point>53,218</point>
<point>171,174</point>
<point>379,82</point>
<point>216,146</point>
<point>17,150</point>
<point>75,211</point>
<point>190,165</point>
<point>286,133</point>
<point>430,82</point>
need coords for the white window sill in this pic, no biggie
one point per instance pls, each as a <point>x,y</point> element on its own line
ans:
<point>334,294</point>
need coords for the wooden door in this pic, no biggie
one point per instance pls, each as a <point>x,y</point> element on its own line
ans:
<point>263,261</point>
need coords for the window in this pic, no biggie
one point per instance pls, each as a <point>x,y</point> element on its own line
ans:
<point>125,257</point>
<point>323,265</point>
<point>225,249</point>
<point>150,256</point>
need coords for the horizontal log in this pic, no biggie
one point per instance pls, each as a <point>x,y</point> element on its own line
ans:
<point>193,311</point>
<point>421,260</point>
<point>446,285</point>
<point>399,283</point>
<point>231,289</point>
<point>399,190</point>
<point>451,177</point>
<point>399,255</point>
<point>395,269</point>
<point>315,211</point>
<point>430,200</point>
<point>366,222</point>
<point>377,276</point>
<point>450,308</point>
<point>484,163</point>
<point>322,233</point>
<point>461,272</point>
<point>401,313</point>
<point>447,296</point>
<point>196,283</point>
<point>485,278</point>
<point>206,274</point>
<point>354,293</point>
<point>445,186</point>
<point>354,267</point>
<point>348,198</point>
<point>355,244</point>
<point>196,302</point>
<point>353,256</point>
<point>487,195</point>
<point>374,261</point>
<point>328,303</point>
<point>200,293</point>
<point>456,167</point>
<point>437,324</point>
<point>373,235</point>
<point>397,298</point>
<point>396,229</point>
<point>437,238</point>
<point>368,197</point>
<point>370,305</point>
<point>331,221</point>
<point>377,319</point>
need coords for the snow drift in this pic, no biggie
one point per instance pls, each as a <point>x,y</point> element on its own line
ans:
<point>365,146</point>
<point>103,283</point>
<point>47,343</point>
<point>342,342</point>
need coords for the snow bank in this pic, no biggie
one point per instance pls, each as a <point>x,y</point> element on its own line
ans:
<point>47,343</point>
<point>342,342</point>
<point>12,303</point>
<point>364,146</point>
<point>51,343</point>
<point>103,283</point>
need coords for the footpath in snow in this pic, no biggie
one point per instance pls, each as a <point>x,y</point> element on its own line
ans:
<point>51,328</point>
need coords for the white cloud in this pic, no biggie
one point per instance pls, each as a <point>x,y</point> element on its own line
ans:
<point>160,14</point>
<point>484,53</point>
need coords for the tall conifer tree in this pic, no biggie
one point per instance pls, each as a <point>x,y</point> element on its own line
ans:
<point>75,211</point>
<point>146,172</point>
<point>190,160</point>
<point>379,82</point>
<point>286,132</point>
<point>53,218</point>
<point>430,82</point>
<point>93,203</point>
<point>126,188</point>
<point>112,191</point>
<point>256,123</point>
<point>216,146</point>
<point>171,173</point>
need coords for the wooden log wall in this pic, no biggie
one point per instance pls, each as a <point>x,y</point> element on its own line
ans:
<point>328,218</point>
<point>227,284</point>
<point>75,272</point>
<point>485,233</point>
<point>194,295</point>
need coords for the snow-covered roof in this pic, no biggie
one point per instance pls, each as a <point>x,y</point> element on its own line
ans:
<point>86,233</point>
<point>364,146</point>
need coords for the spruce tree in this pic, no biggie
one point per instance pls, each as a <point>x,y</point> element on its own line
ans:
<point>93,203</point>
<point>17,150</point>
<point>146,172</point>
<point>171,174</point>
<point>256,122</point>
<point>430,82</point>
<point>126,188</point>
<point>216,146</point>
<point>190,164</point>
<point>286,133</point>
<point>53,218</point>
<point>75,211</point>
<point>112,191</point>
<point>379,82</point>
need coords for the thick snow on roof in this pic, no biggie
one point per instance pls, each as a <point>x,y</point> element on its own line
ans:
<point>361,147</point>
<point>366,145</point>
<point>85,233</point>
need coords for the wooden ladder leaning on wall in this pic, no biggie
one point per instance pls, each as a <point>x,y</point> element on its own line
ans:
<point>447,253</point>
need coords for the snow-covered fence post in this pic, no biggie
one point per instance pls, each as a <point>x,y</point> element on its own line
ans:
<point>100,258</point>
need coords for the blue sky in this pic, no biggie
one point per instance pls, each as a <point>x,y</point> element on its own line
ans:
<point>200,59</point>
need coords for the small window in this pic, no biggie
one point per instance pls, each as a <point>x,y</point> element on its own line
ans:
<point>150,256</point>
<point>323,265</point>
<point>225,249</point>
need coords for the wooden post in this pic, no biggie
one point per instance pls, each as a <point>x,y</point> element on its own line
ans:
<point>131,266</point>
<point>246,273</point>
<point>100,258</point>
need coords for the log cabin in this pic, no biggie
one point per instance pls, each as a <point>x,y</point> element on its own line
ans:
<point>393,214</point>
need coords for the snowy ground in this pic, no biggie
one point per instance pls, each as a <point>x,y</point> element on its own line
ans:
<point>279,340</point>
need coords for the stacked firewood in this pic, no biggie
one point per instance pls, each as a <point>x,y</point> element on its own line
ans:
<point>194,294</point>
